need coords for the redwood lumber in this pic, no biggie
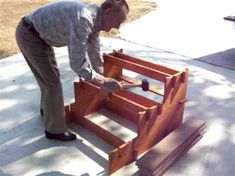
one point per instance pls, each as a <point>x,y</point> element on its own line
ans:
<point>138,99</point>
<point>159,158</point>
<point>104,134</point>
<point>145,63</point>
<point>152,88</point>
<point>160,171</point>
<point>124,98</point>
<point>122,104</point>
<point>128,112</point>
<point>88,98</point>
<point>141,69</point>
<point>111,70</point>
<point>121,156</point>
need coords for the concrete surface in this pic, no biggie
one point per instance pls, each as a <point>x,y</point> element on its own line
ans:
<point>192,28</point>
<point>25,151</point>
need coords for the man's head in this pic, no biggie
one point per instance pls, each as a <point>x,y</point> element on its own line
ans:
<point>113,13</point>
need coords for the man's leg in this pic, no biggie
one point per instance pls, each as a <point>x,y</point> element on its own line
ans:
<point>41,60</point>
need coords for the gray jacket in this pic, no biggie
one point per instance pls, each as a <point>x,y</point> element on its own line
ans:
<point>73,24</point>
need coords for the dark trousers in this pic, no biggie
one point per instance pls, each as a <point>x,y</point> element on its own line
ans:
<point>41,60</point>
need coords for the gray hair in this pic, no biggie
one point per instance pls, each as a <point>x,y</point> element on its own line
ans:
<point>114,3</point>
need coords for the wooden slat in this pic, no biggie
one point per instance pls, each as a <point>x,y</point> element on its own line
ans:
<point>142,101</point>
<point>155,74</point>
<point>126,102</point>
<point>152,88</point>
<point>88,98</point>
<point>104,134</point>
<point>124,111</point>
<point>181,149</point>
<point>114,124</point>
<point>125,107</point>
<point>120,157</point>
<point>111,71</point>
<point>186,147</point>
<point>171,145</point>
<point>145,63</point>
<point>166,165</point>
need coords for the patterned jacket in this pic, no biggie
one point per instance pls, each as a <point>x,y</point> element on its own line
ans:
<point>73,24</point>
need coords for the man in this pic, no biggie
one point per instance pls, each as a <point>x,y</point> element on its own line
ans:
<point>72,24</point>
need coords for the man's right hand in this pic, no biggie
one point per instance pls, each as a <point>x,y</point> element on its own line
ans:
<point>107,84</point>
<point>111,85</point>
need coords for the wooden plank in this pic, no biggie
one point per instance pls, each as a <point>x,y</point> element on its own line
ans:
<point>114,124</point>
<point>124,111</point>
<point>168,88</point>
<point>155,74</point>
<point>145,63</point>
<point>88,98</point>
<point>180,150</point>
<point>166,165</point>
<point>172,141</point>
<point>85,88</point>
<point>120,157</point>
<point>111,71</point>
<point>140,100</point>
<point>155,157</point>
<point>152,88</point>
<point>104,134</point>
<point>123,98</point>
<point>160,171</point>
<point>176,82</point>
<point>125,107</point>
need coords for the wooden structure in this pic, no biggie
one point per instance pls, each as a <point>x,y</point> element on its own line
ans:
<point>154,120</point>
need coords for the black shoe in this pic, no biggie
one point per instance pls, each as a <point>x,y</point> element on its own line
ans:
<point>66,136</point>
<point>41,112</point>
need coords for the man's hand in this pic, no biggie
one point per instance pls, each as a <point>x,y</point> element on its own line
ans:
<point>107,84</point>
<point>111,85</point>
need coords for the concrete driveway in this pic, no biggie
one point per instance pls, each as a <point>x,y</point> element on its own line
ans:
<point>192,28</point>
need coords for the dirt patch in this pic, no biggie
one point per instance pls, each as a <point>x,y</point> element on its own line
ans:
<point>13,10</point>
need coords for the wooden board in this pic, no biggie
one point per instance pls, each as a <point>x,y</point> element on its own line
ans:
<point>159,158</point>
<point>114,124</point>
<point>138,68</point>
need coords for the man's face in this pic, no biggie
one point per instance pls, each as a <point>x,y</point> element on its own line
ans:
<point>113,18</point>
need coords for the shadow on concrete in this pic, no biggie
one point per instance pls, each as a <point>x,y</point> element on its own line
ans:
<point>225,59</point>
<point>27,143</point>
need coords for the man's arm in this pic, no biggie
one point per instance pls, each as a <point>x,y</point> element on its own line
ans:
<point>93,51</point>
<point>79,31</point>
<point>77,48</point>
